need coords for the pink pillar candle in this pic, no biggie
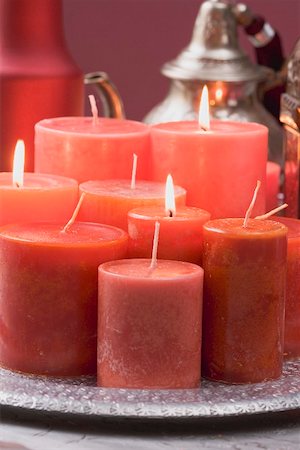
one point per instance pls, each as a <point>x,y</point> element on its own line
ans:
<point>180,236</point>
<point>218,167</point>
<point>79,148</point>
<point>292,304</point>
<point>109,201</point>
<point>272,185</point>
<point>48,295</point>
<point>42,198</point>
<point>149,324</point>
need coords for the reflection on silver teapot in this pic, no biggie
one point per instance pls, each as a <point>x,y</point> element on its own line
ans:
<point>214,58</point>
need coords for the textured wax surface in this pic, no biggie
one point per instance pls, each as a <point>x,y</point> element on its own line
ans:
<point>36,180</point>
<point>104,126</point>
<point>121,188</point>
<point>78,233</point>
<point>140,268</point>
<point>217,127</point>
<point>255,228</point>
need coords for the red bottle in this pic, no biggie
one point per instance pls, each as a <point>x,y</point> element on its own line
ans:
<point>38,78</point>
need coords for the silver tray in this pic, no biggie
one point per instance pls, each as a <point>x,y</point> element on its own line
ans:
<point>81,396</point>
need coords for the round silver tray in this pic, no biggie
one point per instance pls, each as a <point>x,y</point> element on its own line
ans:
<point>81,396</point>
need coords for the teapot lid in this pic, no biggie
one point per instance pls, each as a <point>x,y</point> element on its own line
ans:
<point>214,52</point>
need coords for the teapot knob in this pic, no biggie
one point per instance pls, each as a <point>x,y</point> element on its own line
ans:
<point>108,93</point>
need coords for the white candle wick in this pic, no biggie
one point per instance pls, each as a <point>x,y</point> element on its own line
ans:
<point>155,246</point>
<point>272,212</point>
<point>133,173</point>
<point>94,108</point>
<point>74,215</point>
<point>251,206</point>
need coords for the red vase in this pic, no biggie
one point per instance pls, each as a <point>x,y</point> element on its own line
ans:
<point>38,78</point>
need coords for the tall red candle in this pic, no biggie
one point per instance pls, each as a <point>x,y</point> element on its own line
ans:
<point>48,295</point>
<point>244,293</point>
<point>218,167</point>
<point>85,148</point>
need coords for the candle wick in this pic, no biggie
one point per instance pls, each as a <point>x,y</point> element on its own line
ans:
<point>133,173</point>
<point>17,184</point>
<point>75,214</point>
<point>203,127</point>
<point>94,109</point>
<point>155,246</point>
<point>251,206</point>
<point>272,212</point>
<point>170,213</point>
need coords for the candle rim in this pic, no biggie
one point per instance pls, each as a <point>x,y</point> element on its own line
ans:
<point>136,213</point>
<point>240,128</point>
<point>63,181</point>
<point>49,125</point>
<point>151,274</point>
<point>103,190</point>
<point>240,232</point>
<point>61,238</point>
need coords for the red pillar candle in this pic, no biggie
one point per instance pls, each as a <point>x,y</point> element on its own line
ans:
<point>85,148</point>
<point>42,198</point>
<point>180,237</point>
<point>149,324</point>
<point>243,309</point>
<point>218,167</point>
<point>292,305</point>
<point>108,201</point>
<point>272,185</point>
<point>48,295</point>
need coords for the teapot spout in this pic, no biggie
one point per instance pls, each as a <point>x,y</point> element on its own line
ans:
<point>108,93</point>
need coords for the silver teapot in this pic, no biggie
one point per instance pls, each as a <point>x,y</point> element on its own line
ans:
<point>214,57</point>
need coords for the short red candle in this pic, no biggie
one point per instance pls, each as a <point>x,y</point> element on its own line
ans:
<point>272,185</point>
<point>218,168</point>
<point>43,198</point>
<point>180,236</point>
<point>292,306</point>
<point>149,324</point>
<point>79,148</point>
<point>48,295</point>
<point>109,201</point>
<point>243,306</point>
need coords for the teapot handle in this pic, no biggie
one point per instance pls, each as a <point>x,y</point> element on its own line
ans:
<point>110,97</point>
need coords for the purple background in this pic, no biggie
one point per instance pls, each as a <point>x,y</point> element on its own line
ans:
<point>131,39</point>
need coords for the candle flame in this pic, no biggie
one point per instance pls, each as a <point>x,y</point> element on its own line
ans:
<point>18,164</point>
<point>170,206</point>
<point>203,120</point>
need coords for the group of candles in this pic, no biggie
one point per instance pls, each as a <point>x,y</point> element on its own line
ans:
<point>85,296</point>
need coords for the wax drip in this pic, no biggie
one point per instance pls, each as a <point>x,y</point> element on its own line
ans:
<point>251,206</point>
<point>75,214</point>
<point>155,246</point>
